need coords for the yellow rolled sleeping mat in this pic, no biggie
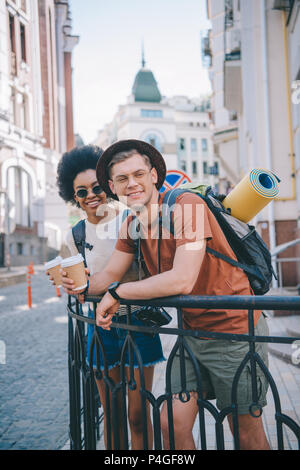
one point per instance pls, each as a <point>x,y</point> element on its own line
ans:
<point>252,194</point>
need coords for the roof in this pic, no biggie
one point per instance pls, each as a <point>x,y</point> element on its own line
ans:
<point>145,87</point>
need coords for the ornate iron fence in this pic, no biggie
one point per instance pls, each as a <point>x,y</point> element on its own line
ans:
<point>86,416</point>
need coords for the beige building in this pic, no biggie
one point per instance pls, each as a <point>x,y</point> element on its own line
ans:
<point>250,47</point>
<point>179,127</point>
<point>32,126</point>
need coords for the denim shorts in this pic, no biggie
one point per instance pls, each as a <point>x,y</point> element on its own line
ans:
<point>149,346</point>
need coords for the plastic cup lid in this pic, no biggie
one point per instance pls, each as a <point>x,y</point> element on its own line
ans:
<point>53,262</point>
<point>72,260</point>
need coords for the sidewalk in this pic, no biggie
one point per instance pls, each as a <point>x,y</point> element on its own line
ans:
<point>12,276</point>
<point>16,274</point>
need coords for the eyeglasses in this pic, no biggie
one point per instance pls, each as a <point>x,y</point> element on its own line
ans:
<point>138,176</point>
<point>82,193</point>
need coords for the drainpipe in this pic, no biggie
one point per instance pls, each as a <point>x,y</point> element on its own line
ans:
<point>271,218</point>
<point>290,123</point>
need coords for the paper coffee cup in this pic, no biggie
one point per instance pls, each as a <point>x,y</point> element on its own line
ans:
<point>53,267</point>
<point>74,267</point>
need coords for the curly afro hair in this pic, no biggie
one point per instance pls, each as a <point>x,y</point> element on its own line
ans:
<point>79,159</point>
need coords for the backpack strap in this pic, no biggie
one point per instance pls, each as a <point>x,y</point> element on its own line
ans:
<point>168,206</point>
<point>248,269</point>
<point>78,232</point>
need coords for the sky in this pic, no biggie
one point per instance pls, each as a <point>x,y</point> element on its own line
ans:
<point>108,55</point>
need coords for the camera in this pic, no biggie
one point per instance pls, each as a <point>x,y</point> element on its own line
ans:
<point>153,316</point>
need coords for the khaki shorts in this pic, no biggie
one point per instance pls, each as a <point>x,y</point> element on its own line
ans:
<point>218,361</point>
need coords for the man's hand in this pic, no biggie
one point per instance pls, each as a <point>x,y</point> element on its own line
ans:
<point>106,310</point>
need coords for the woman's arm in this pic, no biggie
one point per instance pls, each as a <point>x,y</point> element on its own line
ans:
<point>117,266</point>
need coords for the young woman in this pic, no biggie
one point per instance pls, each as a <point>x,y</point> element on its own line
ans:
<point>77,183</point>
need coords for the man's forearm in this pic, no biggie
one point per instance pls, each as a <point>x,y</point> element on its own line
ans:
<point>161,285</point>
<point>99,282</point>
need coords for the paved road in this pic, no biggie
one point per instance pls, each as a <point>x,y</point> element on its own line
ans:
<point>34,378</point>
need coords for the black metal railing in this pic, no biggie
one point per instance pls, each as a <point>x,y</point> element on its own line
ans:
<point>86,416</point>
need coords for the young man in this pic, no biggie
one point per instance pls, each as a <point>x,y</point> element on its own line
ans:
<point>133,171</point>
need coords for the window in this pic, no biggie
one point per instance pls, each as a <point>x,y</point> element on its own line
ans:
<point>194,145</point>
<point>12,33</point>
<point>20,195</point>
<point>154,140</point>
<point>183,165</point>
<point>214,170</point>
<point>12,40</point>
<point>205,168</point>
<point>23,41</point>
<point>181,144</point>
<point>151,113</point>
<point>204,145</point>
<point>19,248</point>
<point>194,168</point>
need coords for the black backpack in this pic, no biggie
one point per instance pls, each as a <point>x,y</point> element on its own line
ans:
<point>78,232</point>
<point>251,251</point>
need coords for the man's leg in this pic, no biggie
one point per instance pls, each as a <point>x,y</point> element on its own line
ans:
<point>184,415</point>
<point>251,433</point>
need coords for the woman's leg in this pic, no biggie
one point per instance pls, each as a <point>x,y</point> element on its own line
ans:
<point>135,410</point>
<point>113,374</point>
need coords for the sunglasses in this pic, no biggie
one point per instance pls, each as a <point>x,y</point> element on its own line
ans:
<point>84,192</point>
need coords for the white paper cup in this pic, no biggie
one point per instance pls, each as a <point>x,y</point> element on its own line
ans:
<point>53,267</point>
<point>74,267</point>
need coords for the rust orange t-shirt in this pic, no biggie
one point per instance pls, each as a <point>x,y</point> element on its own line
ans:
<point>194,221</point>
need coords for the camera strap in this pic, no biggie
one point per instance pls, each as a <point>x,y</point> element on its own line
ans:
<point>158,242</point>
<point>158,246</point>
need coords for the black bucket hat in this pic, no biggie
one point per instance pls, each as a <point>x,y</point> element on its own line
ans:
<point>142,148</point>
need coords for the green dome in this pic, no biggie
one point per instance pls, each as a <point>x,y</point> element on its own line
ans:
<point>145,87</point>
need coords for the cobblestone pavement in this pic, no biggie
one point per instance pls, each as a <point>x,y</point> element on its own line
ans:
<point>33,368</point>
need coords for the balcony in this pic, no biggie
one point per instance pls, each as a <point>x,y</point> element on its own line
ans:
<point>232,71</point>
<point>206,50</point>
<point>233,44</point>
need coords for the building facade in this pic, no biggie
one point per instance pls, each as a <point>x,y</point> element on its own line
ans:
<point>251,47</point>
<point>32,133</point>
<point>179,127</point>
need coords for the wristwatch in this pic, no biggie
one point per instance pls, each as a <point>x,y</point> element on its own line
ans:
<point>112,290</point>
